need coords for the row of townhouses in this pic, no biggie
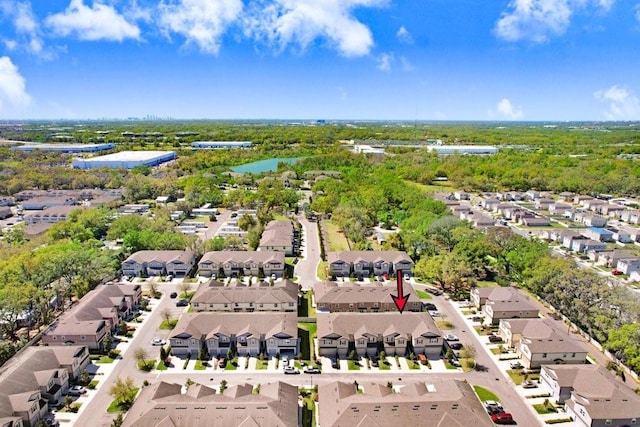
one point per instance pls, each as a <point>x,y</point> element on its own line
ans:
<point>35,378</point>
<point>442,402</point>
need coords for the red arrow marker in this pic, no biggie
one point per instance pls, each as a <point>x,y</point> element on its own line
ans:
<point>400,300</point>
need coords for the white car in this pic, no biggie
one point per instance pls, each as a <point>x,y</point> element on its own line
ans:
<point>451,337</point>
<point>158,341</point>
<point>76,390</point>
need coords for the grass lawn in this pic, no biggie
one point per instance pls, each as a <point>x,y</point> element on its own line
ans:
<point>262,364</point>
<point>161,366</point>
<point>413,364</point>
<point>322,270</point>
<point>353,366</point>
<point>104,359</point>
<point>487,284</point>
<point>444,324</point>
<point>116,406</point>
<point>168,324</point>
<point>230,366</point>
<point>305,309</point>
<point>200,366</point>
<point>423,294</point>
<point>484,394</point>
<point>93,384</point>
<point>383,366</point>
<point>306,333</point>
<point>188,295</point>
<point>448,365</point>
<point>337,240</point>
<point>542,409</point>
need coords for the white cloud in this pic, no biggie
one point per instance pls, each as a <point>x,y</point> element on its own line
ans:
<point>406,64</point>
<point>13,92</point>
<point>201,22</point>
<point>300,22</point>
<point>505,110</point>
<point>623,104</point>
<point>27,28</point>
<point>404,36</point>
<point>99,22</point>
<point>539,20</point>
<point>384,61</point>
<point>638,12</point>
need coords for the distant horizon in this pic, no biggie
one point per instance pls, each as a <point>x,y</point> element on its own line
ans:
<point>308,121</point>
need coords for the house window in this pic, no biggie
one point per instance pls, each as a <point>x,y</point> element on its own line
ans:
<point>361,341</point>
<point>343,342</point>
<point>286,341</point>
<point>607,422</point>
<point>350,305</point>
<point>544,355</point>
<point>54,337</point>
<point>401,341</point>
<point>83,338</point>
<point>177,342</point>
<point>419,341</point>
<point>63,338</point>
<point>226,305</point>
<point>433,340</point>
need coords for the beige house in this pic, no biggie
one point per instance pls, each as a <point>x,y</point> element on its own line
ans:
<point>35,377</point>
<point>494,311</point>
<point>436,402</point>
<point>50,215</point>
<point>279,236</point>
<point>164,404</point>
<point>352,297</point>
<point>369,333</point>
<point>244,334</point>
<point>592,396</point>
<point>238,263</point>
<point>554,349</point>
<point>214,296</point>
<point>512,330</point>
<point>480,296</point>
<point>367,263</point>
<point>96,315</point>
<point>159,263</point>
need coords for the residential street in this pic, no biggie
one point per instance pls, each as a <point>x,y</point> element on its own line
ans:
<point>307,268</point>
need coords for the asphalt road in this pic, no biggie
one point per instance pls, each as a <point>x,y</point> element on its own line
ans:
<point>94,414</point>
<point>307,268</point>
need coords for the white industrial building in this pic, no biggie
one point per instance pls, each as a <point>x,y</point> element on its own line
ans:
<point>213,145</point>
<point>64,148</point>
<point>463,149</point>
<point>125,160</point>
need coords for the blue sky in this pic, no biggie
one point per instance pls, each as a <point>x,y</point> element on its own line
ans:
<point>321,59</point>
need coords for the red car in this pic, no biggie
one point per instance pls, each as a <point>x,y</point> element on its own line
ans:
<point>502,418</point>
<point>616,272</point>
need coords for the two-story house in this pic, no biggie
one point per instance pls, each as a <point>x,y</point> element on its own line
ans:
<point>159,263</point>
<point>214,296</point>
<point>279,236</point>
<point>353,297</point>
<point>592,396</point>
<point>553,349</point>
<point>369,333</point>
<point>240,263</point>
<point>367,263</point>
<point>252,334</point>
<point>519,308</point>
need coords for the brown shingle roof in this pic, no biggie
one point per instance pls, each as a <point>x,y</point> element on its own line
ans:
<point>439,402</point>
<point>162,404</point>
<point>206,325</point>
<point>330,292</point>
<point>212,292</point>
<point>161,256</point>
<point>387,323</point>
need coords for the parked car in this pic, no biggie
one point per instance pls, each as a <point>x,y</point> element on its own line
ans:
<point>529,384</point>
<point>430,306</point>
<point>516,365</point>
<point>182,303</point>
<point>311,370</point>
<point>495,338</point>
<point>169,278</point>
<point>616,272</point>
<point>158,341</point>
<point>76,390</point>
<point>173,295</point>
<point>456,345</point>
<point>422,359</point>
<point>492,404</point>
<point>291,370</point>
<point>476,319</point>
<point>451,337</point>
<point>434,313</point>
<point>222,363</point>
<point>502,418</point>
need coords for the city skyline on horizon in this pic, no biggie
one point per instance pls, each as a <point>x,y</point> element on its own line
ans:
<point>350,60</point>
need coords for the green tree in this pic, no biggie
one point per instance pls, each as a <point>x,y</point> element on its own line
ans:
<point>123,391</point>
<point>246,221</point>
